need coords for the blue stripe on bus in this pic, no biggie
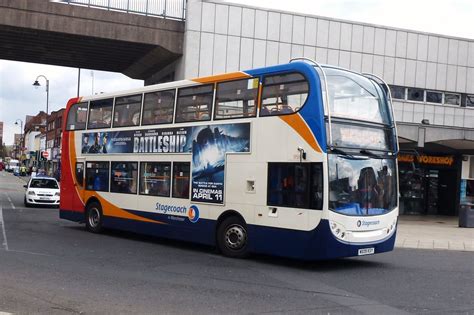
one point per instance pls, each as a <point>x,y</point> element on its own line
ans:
<point>200,232</point>
<point>317,244</point>
<point>312,112</point>
<point>70,215</point>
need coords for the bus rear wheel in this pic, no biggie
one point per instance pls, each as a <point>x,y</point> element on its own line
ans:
<point>94,217</point>
<point>232,237</point>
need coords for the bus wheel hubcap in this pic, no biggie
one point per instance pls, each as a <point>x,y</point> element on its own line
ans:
<point>94,217</point>
<point>235,237</point>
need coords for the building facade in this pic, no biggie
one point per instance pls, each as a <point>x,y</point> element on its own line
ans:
<point>17,146</point>
<point>34,126</point>
<point>53,142</point>
<point>431,77</point>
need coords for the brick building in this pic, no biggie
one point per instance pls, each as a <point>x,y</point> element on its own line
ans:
<point>53,141</point>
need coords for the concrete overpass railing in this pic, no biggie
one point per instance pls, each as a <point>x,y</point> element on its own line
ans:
<point>168,9</point>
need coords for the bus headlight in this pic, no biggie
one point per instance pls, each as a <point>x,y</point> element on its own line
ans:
<point>392,226</point>
<point>32,193</point>
<point>338,229</point>
<point>57,194</point>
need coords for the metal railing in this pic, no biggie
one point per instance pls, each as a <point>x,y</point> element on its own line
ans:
<point>168,9</point>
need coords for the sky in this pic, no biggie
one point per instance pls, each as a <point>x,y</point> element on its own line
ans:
<point>19,98</point>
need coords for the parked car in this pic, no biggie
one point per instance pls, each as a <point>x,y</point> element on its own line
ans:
<point>42,191</point>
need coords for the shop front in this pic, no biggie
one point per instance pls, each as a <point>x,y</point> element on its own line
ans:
<point>429,184</point>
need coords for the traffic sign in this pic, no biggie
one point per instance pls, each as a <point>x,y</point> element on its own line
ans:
<point>45,154</point>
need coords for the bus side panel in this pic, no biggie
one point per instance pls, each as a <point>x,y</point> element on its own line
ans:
<point>317,244</point>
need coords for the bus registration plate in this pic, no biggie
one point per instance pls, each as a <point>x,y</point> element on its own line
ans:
<point>366,251</point>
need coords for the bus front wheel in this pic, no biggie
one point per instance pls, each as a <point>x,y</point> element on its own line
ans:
<point>232,237</point>
<point>94,217</point>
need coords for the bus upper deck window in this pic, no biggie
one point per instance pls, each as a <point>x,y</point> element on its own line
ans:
<point>236,99</point>
<point>77,117</point>
<point>100,114</point>
<point>194,103</point>
<point>127,111</point>
<point>158,107</point>
<point>283,94</point>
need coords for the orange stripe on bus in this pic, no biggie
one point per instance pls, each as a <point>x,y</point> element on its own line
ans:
<point>259,98</point>
<point>222,77</point>
<point>108,208</point>
<point>296,122</point>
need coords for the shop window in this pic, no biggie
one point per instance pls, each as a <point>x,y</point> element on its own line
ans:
<point>123,177</point>
<point>283,94</point>
<point>181,180</point>
<point>397,92</point>
<point>155,178</point>
<point>127,111</point>
<point>97,176</point>
<point>236,99</point>
<point>434,97</point>
<point>295,185</point>
<point>100,114</point>
<point>77,117</point>
<point>452,99</point>
<point>194,103</point>
<point>158,107</point>
<point>470,190</point>
<point>80,173</point>
<point>416,95</point>
<point>470,100</point>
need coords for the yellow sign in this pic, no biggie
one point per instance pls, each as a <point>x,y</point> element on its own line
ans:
<point>427,159</point>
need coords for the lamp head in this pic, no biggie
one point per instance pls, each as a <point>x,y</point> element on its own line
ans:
<point>36,84</point>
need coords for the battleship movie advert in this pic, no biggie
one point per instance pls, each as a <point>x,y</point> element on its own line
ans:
<point>208,145</point>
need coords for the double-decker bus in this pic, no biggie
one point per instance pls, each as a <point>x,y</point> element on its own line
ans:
<point>295,160</point>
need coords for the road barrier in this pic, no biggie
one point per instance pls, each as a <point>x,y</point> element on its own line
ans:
<point>168,9</point>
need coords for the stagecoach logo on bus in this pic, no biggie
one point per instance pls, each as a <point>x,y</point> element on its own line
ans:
<point>365,223</point>
<point>208,144</point>
<point>179,213</point>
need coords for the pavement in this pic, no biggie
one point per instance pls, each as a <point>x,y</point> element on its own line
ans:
<point>426,232</point>
<point>433,232</point>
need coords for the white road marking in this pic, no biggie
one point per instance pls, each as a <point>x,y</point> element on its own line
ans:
<point>11,202</point>
<point>5,313</point>
<point>29,253</point>
<point>4,243</point>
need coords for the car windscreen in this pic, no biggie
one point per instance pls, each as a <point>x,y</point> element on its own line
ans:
<point>44,183</point>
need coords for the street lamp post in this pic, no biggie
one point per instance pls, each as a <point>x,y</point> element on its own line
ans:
<point>36,85</point>
<point>21,136</point>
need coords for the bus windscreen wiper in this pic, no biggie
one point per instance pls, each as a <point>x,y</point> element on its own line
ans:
<point>346,154</point>
<point>340,151</point>
<point>370,153</point>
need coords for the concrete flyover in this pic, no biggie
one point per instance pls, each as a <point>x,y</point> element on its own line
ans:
<point>40,31</point>
<point>434,138</point>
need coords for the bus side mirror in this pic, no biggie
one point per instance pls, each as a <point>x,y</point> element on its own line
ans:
<point>26,186</point>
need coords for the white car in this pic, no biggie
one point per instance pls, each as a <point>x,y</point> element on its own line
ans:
<point>42,191</point>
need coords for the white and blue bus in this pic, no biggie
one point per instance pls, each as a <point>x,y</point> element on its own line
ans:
<point>295,160</point>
